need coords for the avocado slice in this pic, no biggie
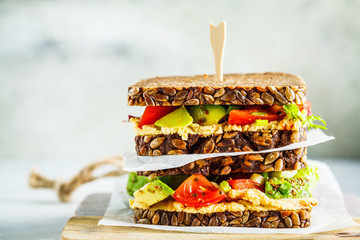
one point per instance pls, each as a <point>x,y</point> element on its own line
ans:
<point>207,114</point>
<point>153,192</point>
<point>135,182</point>
<point>176,119</point>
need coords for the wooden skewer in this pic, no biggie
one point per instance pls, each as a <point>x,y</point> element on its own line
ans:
<point>217,39</point>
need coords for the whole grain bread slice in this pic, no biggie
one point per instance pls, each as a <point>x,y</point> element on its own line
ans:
<point>169,144</point>
<point>249,163</point>
<point>245,218</point>
<point>236,89</point>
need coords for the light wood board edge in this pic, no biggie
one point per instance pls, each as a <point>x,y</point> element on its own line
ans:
<point>86,227</point>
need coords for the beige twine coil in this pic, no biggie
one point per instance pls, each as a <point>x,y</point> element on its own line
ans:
<point>65,189</point>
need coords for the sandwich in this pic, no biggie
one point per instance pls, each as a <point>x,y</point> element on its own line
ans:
<point>243,113</point>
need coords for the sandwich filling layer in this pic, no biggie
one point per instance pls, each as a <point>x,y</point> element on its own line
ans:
<point>273,191</point>
<point>250,199</point>
<point>210,120</point>
<point>215,129</point>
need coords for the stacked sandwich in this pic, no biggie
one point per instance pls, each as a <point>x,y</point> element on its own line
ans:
<point>242,113</point>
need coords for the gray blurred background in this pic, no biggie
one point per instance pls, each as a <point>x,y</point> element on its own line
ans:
<point>65,65</point>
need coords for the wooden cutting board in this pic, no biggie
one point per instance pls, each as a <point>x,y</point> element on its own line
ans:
<point>84,226</point>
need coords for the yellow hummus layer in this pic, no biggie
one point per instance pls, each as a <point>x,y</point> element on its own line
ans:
<point>215,129</point>
<point>254,197</point>
<point>238,200</point>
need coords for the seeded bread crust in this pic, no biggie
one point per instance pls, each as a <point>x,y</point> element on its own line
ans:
<point>236,89</point>
<point>249,163</point>
<point>227,142</point>
<point>261,219</point>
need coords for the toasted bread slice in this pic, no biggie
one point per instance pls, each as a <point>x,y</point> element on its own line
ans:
<point>236,89</point>
<point>247,164</point>
<point>245,218</point>
<point>243,208</point>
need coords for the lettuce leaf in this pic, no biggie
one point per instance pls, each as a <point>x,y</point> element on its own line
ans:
<point>279,188</point>
<point>300,185</point>
<point>135,182</point>
<point>310,172</point>
<point>294,113</point>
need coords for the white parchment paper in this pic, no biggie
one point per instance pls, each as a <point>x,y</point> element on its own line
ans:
<point>150,163</point>
<point>329,214</point>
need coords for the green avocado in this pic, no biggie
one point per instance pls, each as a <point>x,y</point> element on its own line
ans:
<point>176,119</point>
<point>135,182</point>
<point>207,114</point>
<point>153,192</point>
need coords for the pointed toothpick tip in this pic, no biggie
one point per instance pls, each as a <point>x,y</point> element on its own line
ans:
<point>217,39</point>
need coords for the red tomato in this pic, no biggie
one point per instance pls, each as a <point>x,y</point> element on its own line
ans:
<point>154,113</point>
<point>249,115</point>
<point>306,106</point>
<point>197,191</point>
<point>241,184</point>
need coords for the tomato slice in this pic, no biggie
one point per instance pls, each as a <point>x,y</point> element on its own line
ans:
<point>154,113</point>
<point>306,106</point>
<point>241,184</point>
<point>250,115</point>
<point>197,191</point>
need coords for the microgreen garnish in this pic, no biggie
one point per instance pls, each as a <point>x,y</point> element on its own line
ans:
<point>294,113</point>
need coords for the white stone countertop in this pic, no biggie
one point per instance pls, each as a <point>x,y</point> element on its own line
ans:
<point>37,214</point>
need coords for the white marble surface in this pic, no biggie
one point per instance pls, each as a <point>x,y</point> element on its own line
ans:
<point>37,214</point>
<point>65,65</point>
